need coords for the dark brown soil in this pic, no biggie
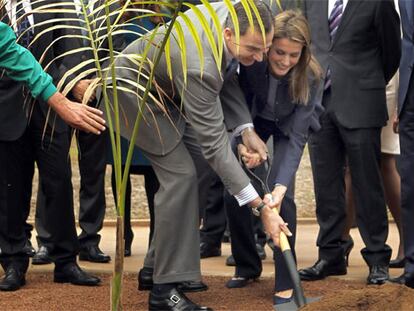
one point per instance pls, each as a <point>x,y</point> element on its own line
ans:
<point>41,294</point>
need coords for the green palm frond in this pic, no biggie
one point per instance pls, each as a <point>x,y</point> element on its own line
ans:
<point>95,31</point>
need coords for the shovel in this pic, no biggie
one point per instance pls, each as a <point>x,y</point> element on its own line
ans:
<point>299,300</point>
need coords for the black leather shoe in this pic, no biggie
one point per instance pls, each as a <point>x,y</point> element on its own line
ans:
<point>378,275</point>
<point>28,249</point>
<point>42,256</point>
<point>348,246</point>
<point>127,250</point>
<point>173,300</point>
<point>72,273</point>
<point>321,269</point>
<point>405,279</point>
<point>397,263</point>
<point>260,251</point>
<point>239,281</point>
<point>93,254</point>
<point>13,279</point>
<point>145,282</point>
<point>192,286</point>
<point>230,261</point>
<point>208,250</point>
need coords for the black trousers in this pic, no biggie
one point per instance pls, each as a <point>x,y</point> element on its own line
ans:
<point>50,151</point>
<point>15,159</point>
<point>151,188</point>
<point>328,149</point>
<point>92,166</point>
<point>241,221</point>
<point>213,214</point>
<point>55,198</point>
<point>407,178</point>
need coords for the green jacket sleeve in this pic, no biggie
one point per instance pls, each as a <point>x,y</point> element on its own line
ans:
<point>20,65</point>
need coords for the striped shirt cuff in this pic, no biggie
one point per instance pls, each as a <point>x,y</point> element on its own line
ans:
<point>237,131</point>
<point>246,195</point>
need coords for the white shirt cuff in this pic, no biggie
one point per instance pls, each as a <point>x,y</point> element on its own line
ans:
<point>246,195</point>
<point>237,131</point>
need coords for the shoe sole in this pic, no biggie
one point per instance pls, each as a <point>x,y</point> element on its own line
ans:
<point>87,258</point>
<point>41,262</point>
<point>377,282</point>
<point>144,287</point>
<point>310,279</point>
<point>245,283</point>
<point>13,288</point>
<point>211,255</point>
<point>64,279</point>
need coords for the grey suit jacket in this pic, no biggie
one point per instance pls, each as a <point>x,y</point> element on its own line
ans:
<point>363,57</point>
<point>161,128</point>
<point>407,57</point>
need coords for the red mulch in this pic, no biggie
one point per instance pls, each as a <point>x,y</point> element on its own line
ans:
<point>41,294</point>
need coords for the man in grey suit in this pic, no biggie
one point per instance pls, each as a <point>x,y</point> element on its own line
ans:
<point>406,119</point>
<point>358,45</point>
<point>167,136</point>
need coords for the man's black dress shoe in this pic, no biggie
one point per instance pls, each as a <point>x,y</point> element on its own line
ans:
<point>321,269</point>
<point>378,274</point>
<point>230,261</point>
<point>192,286</point>
<point>397,263</point>
<point>405,279</point>
<point>145,282</point>
<point>42,256</point>
<point>127,249</point>
<point>28,249</point>
<point>173,300</point>
<point>261,251</point>
<point>93,254</point>
<point>12,280</point>
<point>72,273</point>
<point>348,246</point>
<point>208,250</point>
<point>239,281</point>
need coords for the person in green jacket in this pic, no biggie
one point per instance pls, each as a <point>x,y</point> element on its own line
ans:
<point>20,65</point>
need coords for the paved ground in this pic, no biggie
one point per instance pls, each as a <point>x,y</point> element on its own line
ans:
<point>306,251</point>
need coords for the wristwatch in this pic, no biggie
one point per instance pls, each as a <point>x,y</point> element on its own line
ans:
<point>258,209</point>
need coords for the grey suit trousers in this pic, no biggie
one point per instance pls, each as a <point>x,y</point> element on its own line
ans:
<point>174,252</point>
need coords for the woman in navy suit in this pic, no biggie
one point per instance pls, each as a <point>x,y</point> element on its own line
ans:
<point>284,95</point>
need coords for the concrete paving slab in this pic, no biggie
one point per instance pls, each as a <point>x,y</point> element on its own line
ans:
<point>306,252</point>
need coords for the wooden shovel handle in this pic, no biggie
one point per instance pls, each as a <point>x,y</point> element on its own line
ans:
<point>284,243</point>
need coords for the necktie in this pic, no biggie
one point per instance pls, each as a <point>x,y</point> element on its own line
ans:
<point>23,26</point>
<point>334,20</point>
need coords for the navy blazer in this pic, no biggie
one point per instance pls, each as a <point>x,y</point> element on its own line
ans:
<point>294,121</point>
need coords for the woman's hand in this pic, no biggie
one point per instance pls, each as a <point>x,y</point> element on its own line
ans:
<point>273,223</point>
